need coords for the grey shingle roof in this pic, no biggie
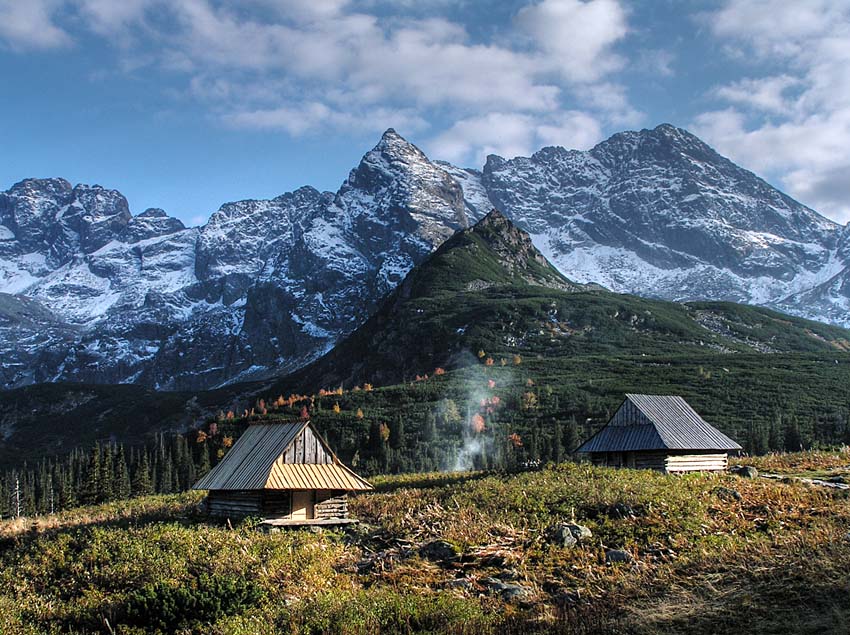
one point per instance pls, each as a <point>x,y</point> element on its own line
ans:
<point>657,422</point>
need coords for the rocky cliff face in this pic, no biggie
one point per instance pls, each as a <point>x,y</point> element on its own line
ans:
<point>659,213</point>
<point>89,292</point>
<point>263,287</point>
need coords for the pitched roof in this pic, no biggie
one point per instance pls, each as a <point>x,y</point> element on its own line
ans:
<point>657,422</point>
<point>256,461</point>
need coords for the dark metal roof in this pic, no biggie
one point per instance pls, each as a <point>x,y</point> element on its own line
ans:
<point>657,422</point>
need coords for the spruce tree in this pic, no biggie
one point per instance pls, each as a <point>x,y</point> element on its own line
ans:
<point>397,434</point>
<point>107,475</point>
<point>558,443</point>
<point>90,481</point>
<point>429,430</point>
<point>142,484</point>
<point>571,437</point>
<point>121,476</point>
<point>203,465</point>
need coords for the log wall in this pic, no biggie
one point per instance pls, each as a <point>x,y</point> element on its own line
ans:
<point>663,461</point>
<point>334,506</point>
<point>274,504</point>
<point>234,504</point>
<point>696,462</point>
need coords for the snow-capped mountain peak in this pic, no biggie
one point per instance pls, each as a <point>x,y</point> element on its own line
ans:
<point>265,286</point>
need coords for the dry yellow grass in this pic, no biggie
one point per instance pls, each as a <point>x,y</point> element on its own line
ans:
<point>774,561</point>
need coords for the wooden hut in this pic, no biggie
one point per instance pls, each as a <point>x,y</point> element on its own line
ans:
<point>283,472</point>
<point>660,433</point>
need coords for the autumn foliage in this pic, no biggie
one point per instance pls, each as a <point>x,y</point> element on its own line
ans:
<point>477,423</point>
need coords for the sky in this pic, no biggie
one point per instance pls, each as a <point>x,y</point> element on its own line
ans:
<point>187,104</point>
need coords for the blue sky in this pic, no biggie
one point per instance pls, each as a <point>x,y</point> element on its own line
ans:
<point>186,104</point>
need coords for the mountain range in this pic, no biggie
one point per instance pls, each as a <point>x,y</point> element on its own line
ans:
<point>91,293</point>
<point>487,301</point>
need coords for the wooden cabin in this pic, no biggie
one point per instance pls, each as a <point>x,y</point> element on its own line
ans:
<point>284,473</point>
<point>661,433</point>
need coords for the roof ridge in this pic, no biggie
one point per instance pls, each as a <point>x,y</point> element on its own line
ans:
<point>674,424</point>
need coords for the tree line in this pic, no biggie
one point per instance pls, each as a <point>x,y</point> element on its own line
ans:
<point>103,473</point>
<point>428,425</point>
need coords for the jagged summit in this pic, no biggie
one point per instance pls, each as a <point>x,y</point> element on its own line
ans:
<point>473,278</point>
<point>266,286</point>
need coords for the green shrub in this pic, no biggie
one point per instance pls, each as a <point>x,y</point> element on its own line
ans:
<point>203,600</point>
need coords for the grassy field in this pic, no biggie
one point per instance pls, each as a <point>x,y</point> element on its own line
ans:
<point>709,554</point>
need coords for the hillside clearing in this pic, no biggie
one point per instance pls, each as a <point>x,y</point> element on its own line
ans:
<point>451,552</point>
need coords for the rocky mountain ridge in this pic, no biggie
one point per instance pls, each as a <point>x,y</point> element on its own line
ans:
<point>89,292</point>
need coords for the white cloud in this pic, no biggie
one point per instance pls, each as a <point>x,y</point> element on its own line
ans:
<point>28,25</point>
<point>304,65</point>
<point>808,155</point>
<point>110,18</point>
<point>579,35</point>
<point>765,93</point>
<point>514,134</point>
<point>310,117</point>
<point>794,125</point>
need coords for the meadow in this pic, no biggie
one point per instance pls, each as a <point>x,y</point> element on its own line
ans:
<point>467,552</point>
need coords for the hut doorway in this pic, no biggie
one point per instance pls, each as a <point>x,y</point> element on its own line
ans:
<point>302,505</point>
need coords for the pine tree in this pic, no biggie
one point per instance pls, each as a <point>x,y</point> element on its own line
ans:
<point>90,481</point>
<point>121,476</point>
<point>429,430</point>
<point>142,484</point>
<point>107,475</point>
<point>66,493</point>
<point>558,443</point>
<point>793,437</point>
<point>397,434</point>
<point>203,465</point>
<point>571,436</point>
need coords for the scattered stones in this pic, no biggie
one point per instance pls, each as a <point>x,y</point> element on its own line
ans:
<point>463,584</point>
<point>567,534</point>
<point>564,597</point>
<point>560,535</point>
<point>616,556</point>
<point>621,510</point>
<point>508,574</point>
<point>508,592</point>
<point>493,560</point>
<point>745,471</point>
<point>439,550</point>
<point>580,532</point>
<point>728,494</point>
<point>516,593</point>
<point>491,584</point>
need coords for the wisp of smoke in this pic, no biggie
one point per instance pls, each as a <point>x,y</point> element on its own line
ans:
<point>481,402</point>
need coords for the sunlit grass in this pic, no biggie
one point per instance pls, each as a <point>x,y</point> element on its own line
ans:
<point>776,559</point>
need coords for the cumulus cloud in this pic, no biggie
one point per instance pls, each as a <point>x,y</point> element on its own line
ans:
<point>303,65</point>
<point>312,117</point>
<point>769,94</point>
<point>578,35</point>
<point>29,25</point>
<point>514,134</point>
<point>793,125</point>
